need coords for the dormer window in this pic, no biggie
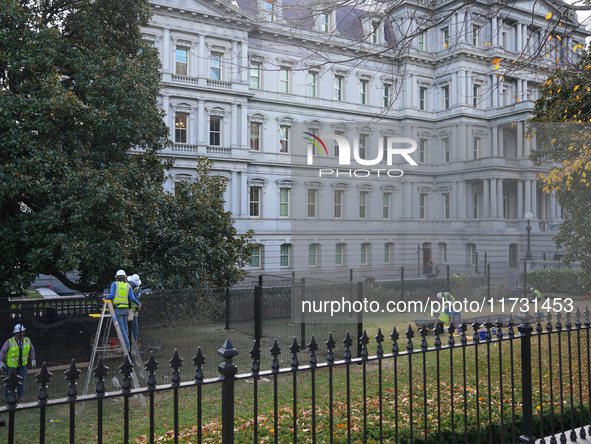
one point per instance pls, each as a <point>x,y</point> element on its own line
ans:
<point>324,23</point>
<point>375,26</point>
<point>270,10</point>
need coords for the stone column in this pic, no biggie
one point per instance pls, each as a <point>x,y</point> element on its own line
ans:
<point>244,62</point>
<point>534,199</point>
<point>520,208</point>
<point>167,119</point>
<point>244,142</point>
<point>519,38</point>
<point>234,64</point>
<point>495,141</point>
<point>415,201</point>
<point>202,56</point>
<point>494,89</point>
<point>486,198</point>
<point>234,127</point>
<point>489,143</point>
<point>493,198</point>
<point>553,205</point>
<point>467,151</point>
<point>234,193</point>
<point>166,50</point>
<point>543,198</point>
<point>520,127</point>
<point>527,195</point>
<point>407,204</point>
<point>201,122</point>
<point>244,193</point>
<point>500,201</point>
<point>455,200</point>
<point>501,142</point>
<point>468,27</point>
<point>494,31</point>
<point>173,61</point>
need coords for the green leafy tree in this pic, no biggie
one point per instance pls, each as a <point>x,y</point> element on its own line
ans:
<point>78,92</point>
<point>561,122</point>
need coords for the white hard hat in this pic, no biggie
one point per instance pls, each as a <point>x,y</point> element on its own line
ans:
<point>135,280</point>
<point>439,295</point>
<point>120,273</point>
<point>19,328</point>
<point>532,289</point>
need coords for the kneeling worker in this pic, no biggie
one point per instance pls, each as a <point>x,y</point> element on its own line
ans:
<point>444,316</point>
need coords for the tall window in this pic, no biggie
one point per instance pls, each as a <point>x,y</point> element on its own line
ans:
<point>445,35</point>
<point>386,96</point>
<point>338,204</point>
<point>422,41</point>
<point>422,206</point>
<point>284,255</point>
<point>386,205</point>
<point>338,254</point>
<point>313,255</point>
<point>180,128</point>
<point>475,205</point>
<point>363,205</point>
<point>446,97</point>
<point>475,148</point>
<point>374,32</point>
<point>363,92</point>
<point>475,32</point>
<point>324,23</point>
<point>270,10</point>
<point>473,254</point>
<point>444,253</point>
<point>363,147</point>
<point>255,136</point>
<point>255,201</point>
<point>475,95</point>
<point>422,149</point>
<point>284,202</point>
<point>255,75</point>
<point>312,201</point>
<point>284,81</point>
<point>255,257</point>
<point>181,61</point>
<point>215,68</point>
<point>312,81</point>
<point>446,151</point>
<point>422,99</point>
<point>387,257</point>
<point>446,206</point>
<point>215,131</point>
<point>364,254</point>
<point>284,138</point>
<point>513,255</point>
<point>338,88</point>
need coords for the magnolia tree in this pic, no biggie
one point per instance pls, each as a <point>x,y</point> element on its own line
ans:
<point>78,92</point>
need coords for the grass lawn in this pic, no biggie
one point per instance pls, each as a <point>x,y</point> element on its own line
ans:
<point>475,394</point>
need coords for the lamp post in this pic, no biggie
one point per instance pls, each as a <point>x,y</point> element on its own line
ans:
<point>528,256</point>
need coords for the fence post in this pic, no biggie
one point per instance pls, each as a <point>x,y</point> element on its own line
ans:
<point>258,316</point>
<point>526,383</point>
<point>447,266</point>
<point>228,370</point>
<point>303,319</point>
<point>477,262</point>
<point>227,308</point>
<point>402,283</point>
<point>485,264</point>
<point>487,271</point>
<point>359,319</point>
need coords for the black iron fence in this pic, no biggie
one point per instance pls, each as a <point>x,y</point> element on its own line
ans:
<point>495,382</point>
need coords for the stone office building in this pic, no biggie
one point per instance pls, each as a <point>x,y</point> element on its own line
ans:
<point>242,80</point>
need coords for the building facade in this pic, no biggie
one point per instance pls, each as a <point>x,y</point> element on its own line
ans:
<point>244,80</point>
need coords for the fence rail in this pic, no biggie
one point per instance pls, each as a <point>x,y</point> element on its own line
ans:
<point>491,382</point>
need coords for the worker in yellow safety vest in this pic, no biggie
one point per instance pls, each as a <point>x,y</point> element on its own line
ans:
<point>17,351</point>
<point>122,295</point>
<point>444,316</point>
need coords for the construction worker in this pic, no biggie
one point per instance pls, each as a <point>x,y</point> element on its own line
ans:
<point>122,294</point>
<point>536,294</point>
<point>17,351</point>
<point>444,316</point>
<point>135,282</point>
